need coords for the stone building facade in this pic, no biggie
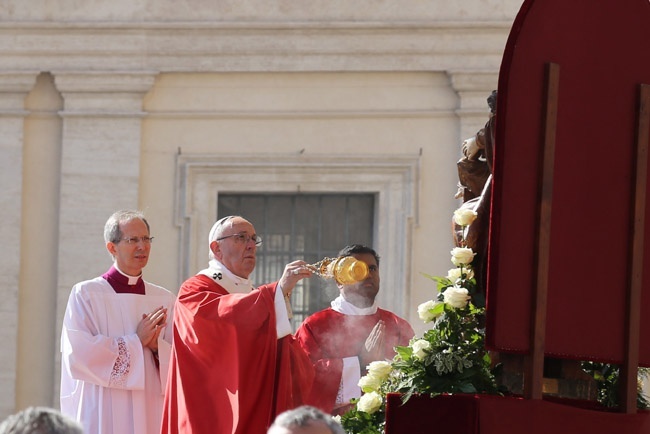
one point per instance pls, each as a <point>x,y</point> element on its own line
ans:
<point>160,105</point>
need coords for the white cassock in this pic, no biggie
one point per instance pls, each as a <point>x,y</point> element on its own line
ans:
<point>109,382</point>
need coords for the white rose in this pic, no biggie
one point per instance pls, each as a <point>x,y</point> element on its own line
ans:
<point>426,311</point>
<point>369,383</point>
<point>462,256</point>
<point>456,297</point>
<point>380,369</point>
<point>464,216</point>
<point>419,348</point>
<point>369,402</point>
<point>456,274</point>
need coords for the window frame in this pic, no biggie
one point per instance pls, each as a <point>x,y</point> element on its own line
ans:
<point>309,295</point>
<point>392,178</point>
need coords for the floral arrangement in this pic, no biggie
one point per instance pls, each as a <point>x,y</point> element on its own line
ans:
<point>448,358</point>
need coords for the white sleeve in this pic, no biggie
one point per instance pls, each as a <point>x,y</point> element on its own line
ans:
<point>164,350</point>
<point>282,323</point>
<point>87,355</point>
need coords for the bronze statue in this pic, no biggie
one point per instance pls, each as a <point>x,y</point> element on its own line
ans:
<point>475,187</point>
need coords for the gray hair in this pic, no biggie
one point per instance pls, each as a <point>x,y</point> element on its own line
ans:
<point>112,232</point>
<point>305,416</point>
<point>217,231</point>
<point>40,420</point>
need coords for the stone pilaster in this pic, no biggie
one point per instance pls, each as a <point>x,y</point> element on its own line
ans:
<point>39,246</point>
<point>14,87</point>
<point>100,165</point>
<point>473,88</point>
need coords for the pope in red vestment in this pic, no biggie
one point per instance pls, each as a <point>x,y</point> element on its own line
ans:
<point>233,367</point>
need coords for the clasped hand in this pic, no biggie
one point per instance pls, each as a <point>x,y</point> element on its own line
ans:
<point>150,327</point>
<point>373,348</point>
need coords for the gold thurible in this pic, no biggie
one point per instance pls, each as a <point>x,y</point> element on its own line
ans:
<point>344,269</point>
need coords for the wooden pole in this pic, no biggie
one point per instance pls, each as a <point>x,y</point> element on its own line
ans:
<point>629,370</point>
<point>534,375</point>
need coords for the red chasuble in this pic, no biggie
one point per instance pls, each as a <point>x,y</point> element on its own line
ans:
<point>329,336</point>
<point>228,371</point>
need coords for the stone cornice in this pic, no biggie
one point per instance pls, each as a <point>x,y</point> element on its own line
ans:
<point>464,80</point>
<point>104,81</point>
<point>253,25</point>
<point>14,87</point>
<point>253,46</point>
<point>302,114</point>
<point>103,93</point>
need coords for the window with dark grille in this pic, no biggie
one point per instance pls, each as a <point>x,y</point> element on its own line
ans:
<point>302,226</point>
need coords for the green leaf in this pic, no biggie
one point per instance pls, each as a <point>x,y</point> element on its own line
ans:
<point>438,309</point>
<point>405,353</point>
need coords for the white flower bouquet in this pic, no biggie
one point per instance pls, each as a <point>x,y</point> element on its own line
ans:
<point>448,358</point>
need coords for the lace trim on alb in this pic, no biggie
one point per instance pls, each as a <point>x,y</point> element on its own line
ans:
<point>122,365</point>
<point>339,395</point>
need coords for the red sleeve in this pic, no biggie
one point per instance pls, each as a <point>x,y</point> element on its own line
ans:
<point>295,375</point>
<point>327,371</point>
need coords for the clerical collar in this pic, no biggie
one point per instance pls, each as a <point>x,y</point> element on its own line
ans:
<point>226,278</point>
<point>341,305</point>
<point>123,283</point>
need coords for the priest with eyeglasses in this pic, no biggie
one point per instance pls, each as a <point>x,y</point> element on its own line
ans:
<point>235,364</point>
<point>116,339</point>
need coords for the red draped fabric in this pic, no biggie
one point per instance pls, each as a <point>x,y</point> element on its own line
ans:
<point>602,52</point>
<point>228,372</point>
<point>488,414</point>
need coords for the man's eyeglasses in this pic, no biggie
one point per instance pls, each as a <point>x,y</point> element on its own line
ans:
<point>136,240</point>
<point>243,238</point>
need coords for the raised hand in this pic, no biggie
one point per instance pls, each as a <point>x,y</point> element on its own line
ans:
<point>293,272</point>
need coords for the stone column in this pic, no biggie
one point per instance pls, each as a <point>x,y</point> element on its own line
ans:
<point>14,87</point>
<point>100,167</point>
